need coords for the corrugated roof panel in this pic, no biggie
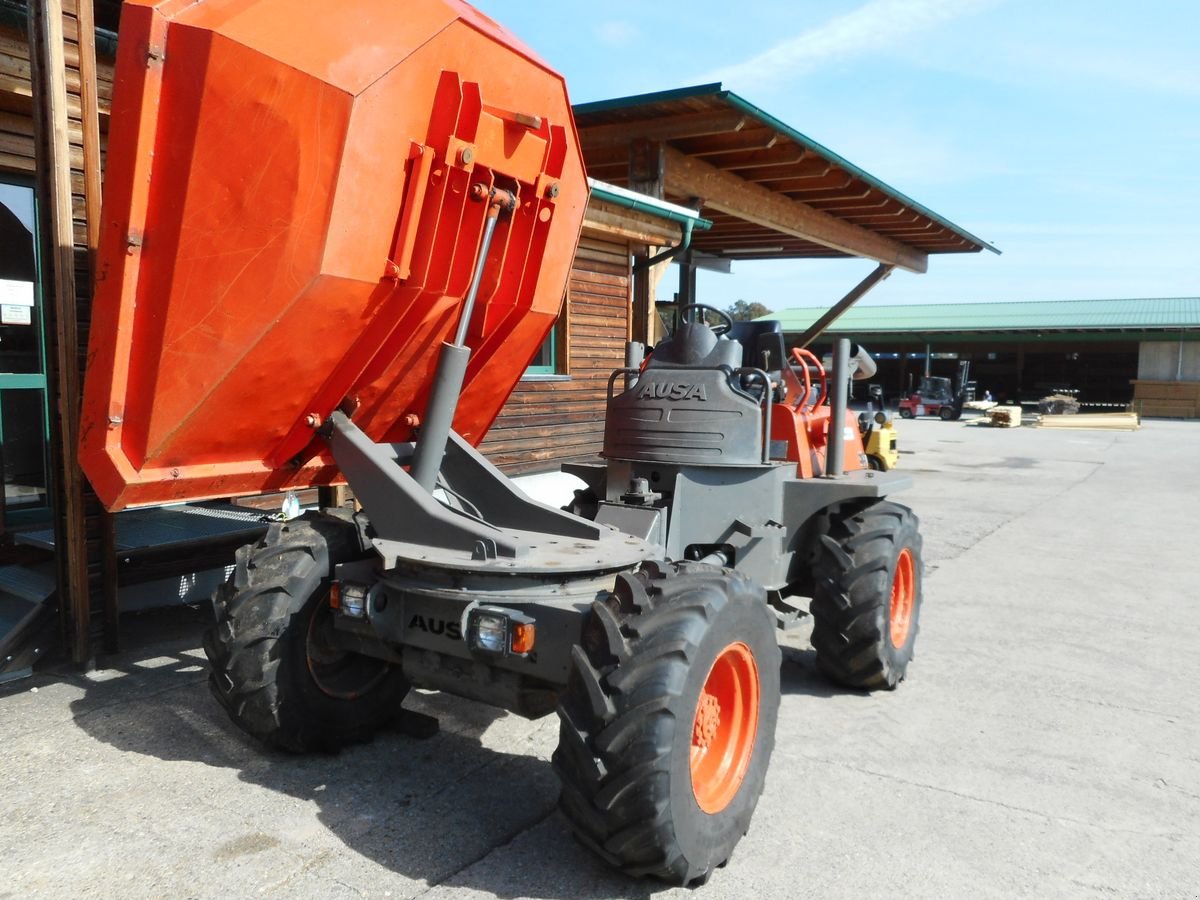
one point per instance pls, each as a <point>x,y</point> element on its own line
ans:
<point>1067,315</point>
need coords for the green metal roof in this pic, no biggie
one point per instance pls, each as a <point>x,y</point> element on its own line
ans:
<point>717,92</point>
<point>1148,314</point>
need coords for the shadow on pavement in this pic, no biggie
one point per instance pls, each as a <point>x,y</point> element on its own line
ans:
<point>799,675</point>
<point>428,810</point>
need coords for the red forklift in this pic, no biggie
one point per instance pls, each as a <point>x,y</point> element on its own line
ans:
<point>936,396</point>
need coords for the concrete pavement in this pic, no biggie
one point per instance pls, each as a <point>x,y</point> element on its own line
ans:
<point>1046,744</point>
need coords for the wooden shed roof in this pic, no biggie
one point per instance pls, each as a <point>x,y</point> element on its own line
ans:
<point>770,191</point>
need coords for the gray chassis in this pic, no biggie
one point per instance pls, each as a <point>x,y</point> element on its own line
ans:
<point>491,545</point>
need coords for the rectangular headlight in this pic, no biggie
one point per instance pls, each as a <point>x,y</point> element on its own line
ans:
<point>500,632</point>
<point>353,599</point>
<point>489,633</point>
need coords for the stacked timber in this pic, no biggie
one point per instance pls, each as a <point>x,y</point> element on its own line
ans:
<point>996,416</point>
<point>1125,421</point>
<point>1166,399</point>
<point>1004,417</point>
<point>1058,404</point>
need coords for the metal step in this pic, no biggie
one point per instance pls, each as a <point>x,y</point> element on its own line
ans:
<point>26,604</point>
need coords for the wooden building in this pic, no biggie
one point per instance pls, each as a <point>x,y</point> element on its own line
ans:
<point>556,415</point>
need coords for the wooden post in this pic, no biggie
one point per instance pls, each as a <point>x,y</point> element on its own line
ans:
<point>90,108</point>
<point>646,168</point>
<point>643,296</point>
<point>51,128</point>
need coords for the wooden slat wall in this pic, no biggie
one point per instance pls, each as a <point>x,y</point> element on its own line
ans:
<point>18,153</point>
<point>16,105</point>
<point>16,132</point>
<point>547,423</point>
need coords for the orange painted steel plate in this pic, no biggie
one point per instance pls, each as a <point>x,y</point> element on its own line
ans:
<point>287,228</point>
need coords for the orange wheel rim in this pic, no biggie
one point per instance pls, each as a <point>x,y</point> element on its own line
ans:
<point>904,590</point>
<point>724,728</point>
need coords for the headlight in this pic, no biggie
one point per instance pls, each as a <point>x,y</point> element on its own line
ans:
<point>349,597</point>
<point>500,632</point>
<point>881,418</point>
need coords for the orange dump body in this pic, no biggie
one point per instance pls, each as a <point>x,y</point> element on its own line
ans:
<point>288,227</point>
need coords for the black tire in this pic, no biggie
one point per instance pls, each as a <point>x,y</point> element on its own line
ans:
<point>876,464</point>
<point>630,707</point>
<point>946,413</point>
<point>863,638</point>
<point>271,670</point>
<point>905,412</point>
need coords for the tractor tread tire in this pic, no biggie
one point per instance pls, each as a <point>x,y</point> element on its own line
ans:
<point>257,650</point>
<point>630,691</point>
<point>852,595</point>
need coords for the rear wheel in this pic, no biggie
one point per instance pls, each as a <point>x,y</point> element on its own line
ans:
<point>668,721</point>
<point>275,668</point>
<point>867,597</point>
<point>905,412</point>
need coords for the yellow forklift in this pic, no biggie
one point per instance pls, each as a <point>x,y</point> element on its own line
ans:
<point>878,433</point>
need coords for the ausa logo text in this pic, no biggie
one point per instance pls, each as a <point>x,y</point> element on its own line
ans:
<point>448,628</point>
<point>666,390</point>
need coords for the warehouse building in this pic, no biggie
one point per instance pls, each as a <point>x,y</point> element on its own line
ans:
<point>1108,353</point>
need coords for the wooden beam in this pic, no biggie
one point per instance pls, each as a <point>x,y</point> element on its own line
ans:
<point>89,101</point>
<point>832,181</point>
<point>736,196</point>
<point>750,137</point>
<point>738,160</point>
<point>629,224</point>
<point>861,193</point>
<point>666,128</point>
<point>58,239</point>
<point>878,274</point>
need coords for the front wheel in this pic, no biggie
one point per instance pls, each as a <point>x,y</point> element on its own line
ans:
<point>905,412</point>
<point>867,597</point>
<point>946,414</point>
<point>668,720</point>
<point>275,668</point>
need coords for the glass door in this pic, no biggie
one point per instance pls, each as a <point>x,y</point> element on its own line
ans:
<point>23,421</point>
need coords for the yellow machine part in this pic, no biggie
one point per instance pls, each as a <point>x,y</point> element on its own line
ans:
<point>880,445</point>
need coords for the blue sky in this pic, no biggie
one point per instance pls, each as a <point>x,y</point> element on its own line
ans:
<point>1065,133</point>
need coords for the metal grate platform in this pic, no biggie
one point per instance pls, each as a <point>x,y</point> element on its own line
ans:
<point>164,527</point>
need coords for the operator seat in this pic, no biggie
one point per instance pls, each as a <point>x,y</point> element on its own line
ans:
<point>762,348</point>
<point>762,344</point>
<point>693,345</point>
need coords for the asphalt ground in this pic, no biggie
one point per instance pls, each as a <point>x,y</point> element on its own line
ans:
<point>1045,744</point>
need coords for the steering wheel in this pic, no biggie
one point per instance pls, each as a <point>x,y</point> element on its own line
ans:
<point>720,328</point>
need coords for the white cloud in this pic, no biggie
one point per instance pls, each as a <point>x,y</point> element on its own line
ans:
<point>617,33</point>
<point>876,25</point>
